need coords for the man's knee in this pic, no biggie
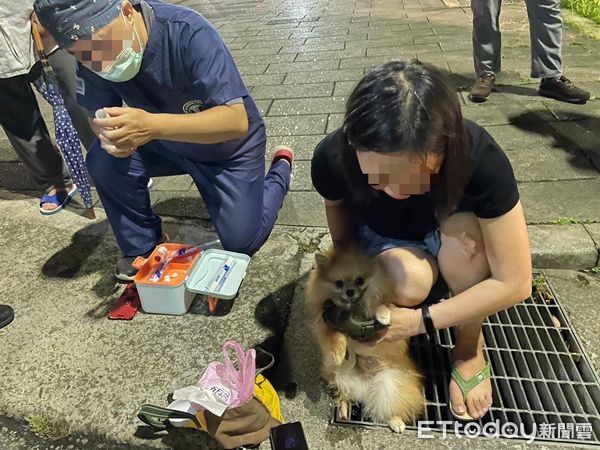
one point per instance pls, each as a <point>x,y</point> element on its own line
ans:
<point>241,240</point>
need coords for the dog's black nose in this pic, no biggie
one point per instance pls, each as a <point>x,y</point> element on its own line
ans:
<point>350,292</point>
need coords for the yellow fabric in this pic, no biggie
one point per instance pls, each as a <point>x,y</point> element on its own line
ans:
<point>264,391</point>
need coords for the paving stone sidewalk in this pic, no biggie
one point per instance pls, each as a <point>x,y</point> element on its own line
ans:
<point>64,362</point>
<point>302,59</point>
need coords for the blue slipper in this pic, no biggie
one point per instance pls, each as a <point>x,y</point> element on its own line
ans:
<point>61,199</point>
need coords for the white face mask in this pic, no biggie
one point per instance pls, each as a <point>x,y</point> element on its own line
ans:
<point>127,63</point>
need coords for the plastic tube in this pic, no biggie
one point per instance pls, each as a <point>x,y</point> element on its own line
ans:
<point>222,275</point>
<point>161,254</point>
<point>187,251</point>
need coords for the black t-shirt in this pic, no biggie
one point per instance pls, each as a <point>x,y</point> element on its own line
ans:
<point>490,192</point>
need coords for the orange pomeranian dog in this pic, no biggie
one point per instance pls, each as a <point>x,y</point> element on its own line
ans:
<point>383,378</point>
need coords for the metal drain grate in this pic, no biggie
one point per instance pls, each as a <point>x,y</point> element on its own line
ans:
<point>540,374</point>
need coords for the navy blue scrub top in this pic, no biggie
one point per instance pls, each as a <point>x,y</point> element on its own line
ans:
<point>185,68</point>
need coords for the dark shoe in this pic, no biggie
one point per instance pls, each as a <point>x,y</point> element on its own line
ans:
<point>563,89</point>
<point>124,270</point>
<point>482,88</point>
<point>6,315</point>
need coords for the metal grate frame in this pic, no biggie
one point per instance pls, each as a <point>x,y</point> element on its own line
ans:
<point>540,372</point>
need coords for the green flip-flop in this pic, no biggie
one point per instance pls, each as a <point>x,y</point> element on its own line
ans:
<point>467,386</point>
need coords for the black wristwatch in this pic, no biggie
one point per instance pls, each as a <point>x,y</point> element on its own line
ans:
<point>429,327</point>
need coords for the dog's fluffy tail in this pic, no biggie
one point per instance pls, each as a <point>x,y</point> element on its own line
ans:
<point>395,392</point>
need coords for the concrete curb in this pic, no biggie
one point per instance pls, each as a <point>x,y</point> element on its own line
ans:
<point>562,247</point>
<point>574,246</point>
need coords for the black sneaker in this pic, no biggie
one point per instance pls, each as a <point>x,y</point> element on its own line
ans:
<point>6,315</point>
<point>563,89</point>
<point>483,87</point>
<point>124,270</point>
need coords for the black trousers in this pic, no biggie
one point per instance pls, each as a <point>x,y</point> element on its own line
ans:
<point>21,119</point>
<point>26,130</point>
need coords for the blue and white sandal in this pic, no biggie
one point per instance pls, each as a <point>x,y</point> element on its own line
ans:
<point>61,199</point>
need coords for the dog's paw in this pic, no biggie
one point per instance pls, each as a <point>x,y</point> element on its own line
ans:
<point>397,424</point>
<point>383,315</point>
<point>343,410</point>
<point>339,348</point>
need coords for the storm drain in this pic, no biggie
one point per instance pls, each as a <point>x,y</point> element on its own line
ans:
<point>543,381</point>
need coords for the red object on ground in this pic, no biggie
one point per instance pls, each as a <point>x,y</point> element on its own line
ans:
<point>128,304</point>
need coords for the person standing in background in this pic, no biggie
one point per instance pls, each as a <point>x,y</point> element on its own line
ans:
<point>545,28</point>
<point>20,115</point>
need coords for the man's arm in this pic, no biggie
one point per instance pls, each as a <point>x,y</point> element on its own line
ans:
<point>218,124</point>
<point>132,127</point>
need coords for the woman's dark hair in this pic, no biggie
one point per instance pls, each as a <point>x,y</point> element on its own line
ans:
<point>407,106</point>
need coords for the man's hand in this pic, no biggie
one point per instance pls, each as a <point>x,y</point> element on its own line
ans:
<point>112,149</point>
<point>125,130</point>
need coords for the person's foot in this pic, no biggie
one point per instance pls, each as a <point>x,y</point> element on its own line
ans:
<point>124,270</point>
<point>53,206</point>
<point>6,315</point>
<point>479,399</point>
<point>563,89</point>
<point>482,88</point>
<point>283,153</point>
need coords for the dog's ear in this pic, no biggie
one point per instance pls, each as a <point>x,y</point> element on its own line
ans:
<point>321,260</point>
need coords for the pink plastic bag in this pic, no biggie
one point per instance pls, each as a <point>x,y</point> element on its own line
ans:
<point>231,386</point>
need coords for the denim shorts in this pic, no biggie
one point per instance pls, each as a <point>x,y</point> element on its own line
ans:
<point>373,243</point>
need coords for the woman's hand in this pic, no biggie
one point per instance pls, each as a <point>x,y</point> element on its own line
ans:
<point>403,324</point>
<point>126,129</point>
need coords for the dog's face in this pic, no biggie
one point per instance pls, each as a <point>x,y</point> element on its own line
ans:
<point>346,277</point>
